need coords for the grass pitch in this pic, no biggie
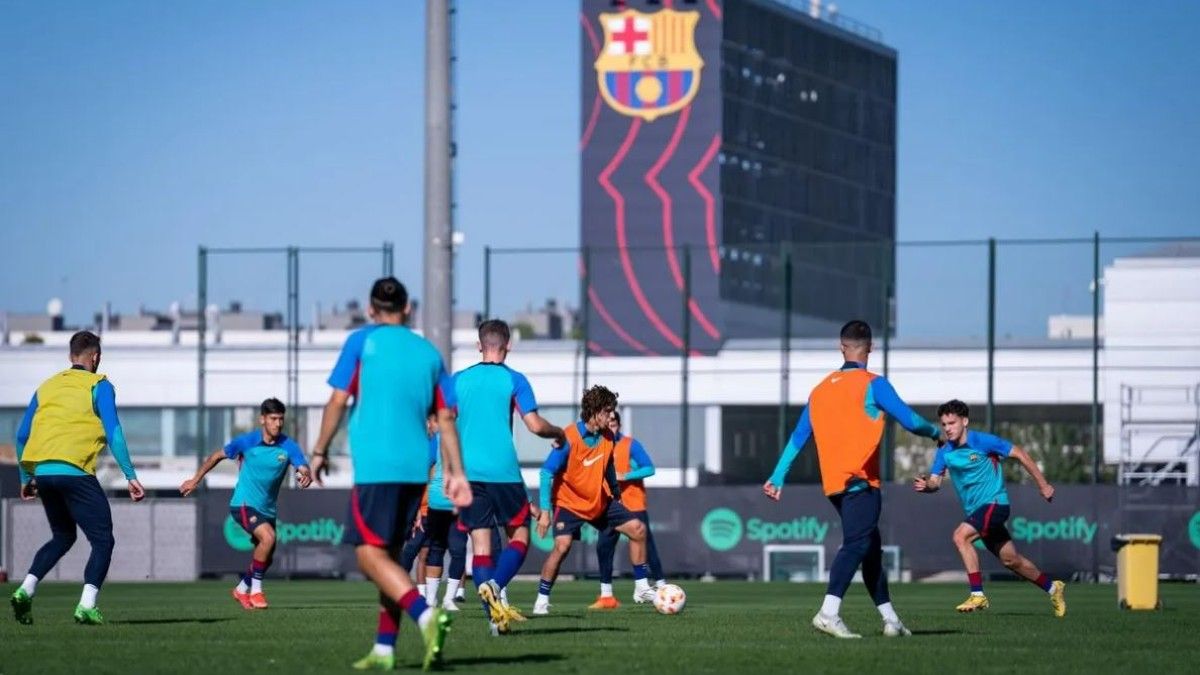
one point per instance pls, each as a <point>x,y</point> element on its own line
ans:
<point>728,627</point>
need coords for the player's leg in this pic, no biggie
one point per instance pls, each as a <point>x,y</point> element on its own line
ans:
<point>62,537</point>
<point>855,510</point>
<point>261,559</point>
<point>562,546</point>
<point>875,578</point>
<point>512,511</point>
<point>438,525</point>
<point>89,508</point>
<point>606,551</point>
<point>652,559</point>
<point>457,568</point>
<point>964,537</point>
<point>625,522</point>
<point>1000,543</point>
<point>381,518</point>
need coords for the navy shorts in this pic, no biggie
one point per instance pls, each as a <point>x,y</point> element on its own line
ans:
<point>989,521</point>
<point>382,514</point>
<point>249,518</point>
<point>567,522</point>
<point>496,505</point>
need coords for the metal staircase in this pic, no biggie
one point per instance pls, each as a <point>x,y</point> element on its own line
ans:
<point>1160,435</point>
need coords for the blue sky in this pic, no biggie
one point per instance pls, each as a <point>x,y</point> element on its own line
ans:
<point>133,131</point>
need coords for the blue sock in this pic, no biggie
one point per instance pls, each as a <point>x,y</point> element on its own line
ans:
<point>639,572</point>
<point>544,587</point>
<point>481,569</point>
<point>509,563</point>
<point>414,604</point>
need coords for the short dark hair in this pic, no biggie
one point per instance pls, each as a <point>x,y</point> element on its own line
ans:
<point>856,331</point>
<point>272,406</point>
<point>389,295</point>
<point>494,333</point>
<point>954,407</point>
<point>595,399</point>
<point>84,341</point>
<point>617,416</point>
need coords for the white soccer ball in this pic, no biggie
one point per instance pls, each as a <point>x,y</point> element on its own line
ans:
<point>669,599</point>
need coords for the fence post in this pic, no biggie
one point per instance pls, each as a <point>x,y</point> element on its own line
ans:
<point>584,336</point>
<point>487,282</point>
<point>687,348</point>
<point>201,350</point>
<point>889,432</point>
<point>785,361</point>
<point>991,335</point>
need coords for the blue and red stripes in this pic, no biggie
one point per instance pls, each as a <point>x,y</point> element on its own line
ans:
<point>673,85</point>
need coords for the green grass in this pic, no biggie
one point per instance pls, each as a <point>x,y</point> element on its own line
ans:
<point>728,627</point>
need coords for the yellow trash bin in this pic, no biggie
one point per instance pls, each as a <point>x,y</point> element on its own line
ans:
<point>1137,570</point>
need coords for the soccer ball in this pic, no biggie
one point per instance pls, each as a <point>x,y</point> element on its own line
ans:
<point>669,599</point>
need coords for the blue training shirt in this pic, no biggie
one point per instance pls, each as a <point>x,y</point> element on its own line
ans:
<point>396,378</point>
<point>262,467</point>
<point>488,394</point>
<point>974,468</point>
<point>437,490</point>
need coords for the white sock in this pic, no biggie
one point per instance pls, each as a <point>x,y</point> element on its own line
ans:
<point>383,650</point>
<point>979,593</point>
<point>641,585</point>
<point>255,585</point>
<point>431,589</point>
<point>423,621</point>
<point>29,585</point>
<point>831,606</point>
<point>542,599</point>
<point>461,593</point>
<point>242,586</point>
<point>660,583</point>
<point>451,589</point>
<point>504,596</point>
<point>88,599</point>
<point>606,590</point>
<point>888,612</point>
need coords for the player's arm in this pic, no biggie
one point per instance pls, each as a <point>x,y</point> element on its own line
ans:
<point>189,486</point>
<point>105,400</point>
<point>299,462</point>
<point>527,405</point>
<point>640,462</point>
<point>932,482</point>
<point>796,442</point>
<point>454,476</point>
<point>554,464</point>
<point>1018,453</point>
<point>28,488</point>
<point>344,381</point>
<point>885,396</point>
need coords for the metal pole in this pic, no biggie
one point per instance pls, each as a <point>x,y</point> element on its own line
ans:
<point>889,431</point>
<point>1096,357</point>
<point>687,348</point>
<point>293,337</point>
<point>785,360</point>
<point>201,350</point>
<point>1096,405</point>
<point>388,258</point>
<point>437,320</point>
<point>584,301</point>
<point>991,335</point>
<point>487,282</point>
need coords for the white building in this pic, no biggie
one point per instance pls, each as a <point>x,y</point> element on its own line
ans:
<point>1148,385</point>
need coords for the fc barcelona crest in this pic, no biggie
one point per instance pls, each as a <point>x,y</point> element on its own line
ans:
<point>649,66</point>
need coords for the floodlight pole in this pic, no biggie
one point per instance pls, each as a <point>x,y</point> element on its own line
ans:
<point>438,249</point>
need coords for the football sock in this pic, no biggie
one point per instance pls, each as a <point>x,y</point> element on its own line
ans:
<point>888,613</point>
<point>451,590</point>
<point>416,607</point>
<point>606,590</point>
<point>88,599</point>
<point>29,585</point>
<point>385,636</point>
<point>831,606</point>
<point>257,569</point>
<point>1045,583</point>
<point>976,580</point>
<point>431,588</point>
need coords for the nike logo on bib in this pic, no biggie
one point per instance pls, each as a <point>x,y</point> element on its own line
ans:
<point>593,460</point>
